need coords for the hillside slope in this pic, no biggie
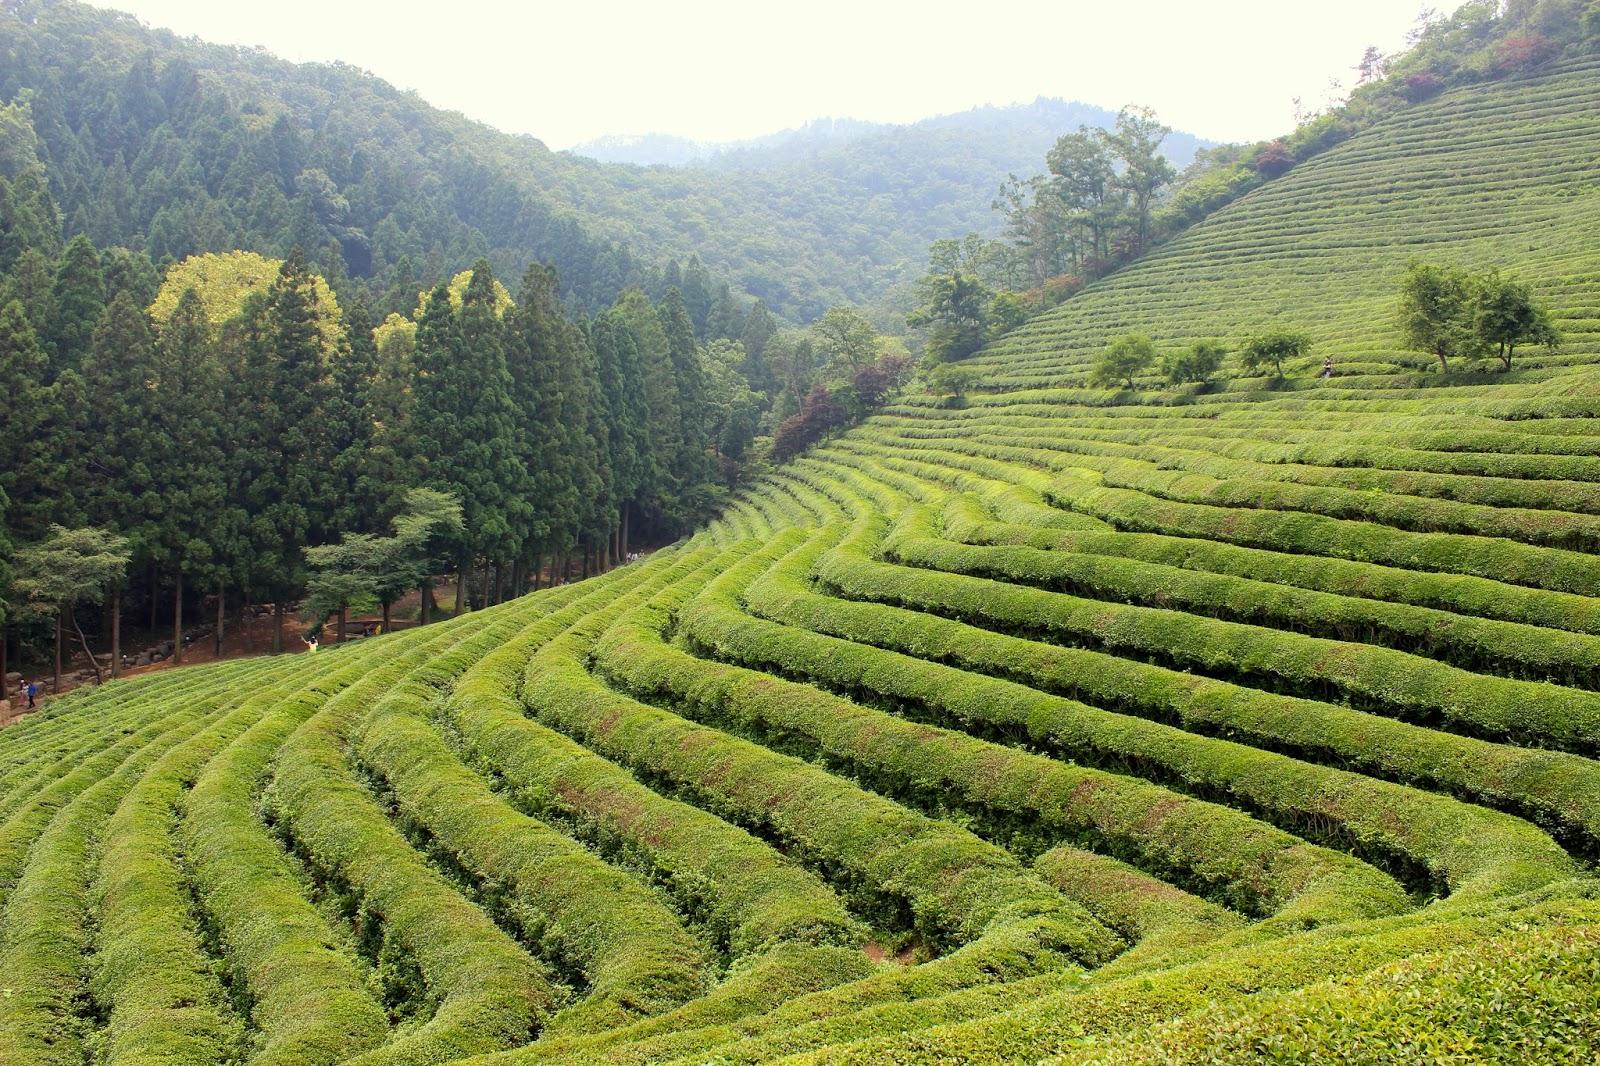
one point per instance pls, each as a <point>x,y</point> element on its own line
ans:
<point>178,146</point>
<point>1066,726</point>
<point>1502,175</point>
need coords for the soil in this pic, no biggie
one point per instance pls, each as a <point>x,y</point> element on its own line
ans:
<point>878,953</point>
<point>239,641</point>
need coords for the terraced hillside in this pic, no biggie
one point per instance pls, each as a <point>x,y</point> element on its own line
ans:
<point>1259,725</point>
<point>1504,176</point>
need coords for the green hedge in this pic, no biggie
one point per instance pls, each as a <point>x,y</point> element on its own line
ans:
<point>309,999</point>
<point>489,993</point>
<point>953,887</point>
<point>1079,1020</point>
<point>1303,794</point>
<point>49,923</point>
<point>630,950</point>
<point>1391,681</point>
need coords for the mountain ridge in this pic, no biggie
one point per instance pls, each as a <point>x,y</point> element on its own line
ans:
<point>821,134</point>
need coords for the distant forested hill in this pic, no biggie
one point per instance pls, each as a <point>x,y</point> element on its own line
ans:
<point>176,146</point>
<point>863,200</point>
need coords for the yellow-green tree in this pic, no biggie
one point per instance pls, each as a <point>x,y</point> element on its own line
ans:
<point>223,280</point>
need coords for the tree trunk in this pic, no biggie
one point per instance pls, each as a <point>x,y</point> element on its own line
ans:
<point>153,589</point>
<point>538,569</point>
<point>244,624</point>
<point>426,614</point>
<point>518,579</point>
<point>99,678</point>
<point>566,567</point>
<point>56,688</point>
<point>3,664</point>
<point>222,616</point>
<point>344,614</point>
<point>386,616</point>
<point>463,573</point>
<point>116,635</point>
<point>177,620</point>
<point>625,532</point>
<point>277,626</point>
<point>585,549</point>
<point>488,585</point>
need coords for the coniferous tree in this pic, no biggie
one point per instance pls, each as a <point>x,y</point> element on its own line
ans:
<point>401,299</point>
<point>120,447</point>
<point>129,272</point>
<point>696,294</point>
<point>759,326</point>
<point>564,424</point>
<point>465,422</point>
<point>661,434</point>
<point>544,444</point>
<point>31,475</point>
<point>692,461</point>
<point>364,487</point>
<point>483,340</point>
<point>626,417</point>
<point>596,480</point>
<point>29,220</point>
<point>29,283</point>
<point>76,300</point>
<point>283,485</point>
<point>199,531</point>
<point>725,320</point>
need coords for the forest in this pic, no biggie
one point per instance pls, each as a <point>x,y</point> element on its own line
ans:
<point>177,147</point>
<point>224,415</point>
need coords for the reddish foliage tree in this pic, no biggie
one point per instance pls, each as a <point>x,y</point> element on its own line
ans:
<point>1421,86</point>
<point>1274,159</point>
<point>818,413</point>
<point>1522,51</point>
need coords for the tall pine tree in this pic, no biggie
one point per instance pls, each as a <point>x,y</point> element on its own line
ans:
<point>759,326</point>
<point>696,295</point>
<point>465,422</point>
<point>286,455</point>
<point>121,449</point>
<point>692,463</point>
<point>76,300</point>
<point>33,475</point>
<point>199,534</point>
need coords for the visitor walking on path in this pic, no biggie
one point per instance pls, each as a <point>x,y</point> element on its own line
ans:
<point>32,689</point>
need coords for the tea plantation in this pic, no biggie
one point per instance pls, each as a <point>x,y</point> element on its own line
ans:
<point>1251,723</point>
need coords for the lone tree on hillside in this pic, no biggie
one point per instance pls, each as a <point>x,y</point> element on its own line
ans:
<point>1273,348</point>
<point>1436,312</point>
<point>67,568</point>
<point>1121,360</point>
<point>955,311</point>
<point>951,382</point>
<point>1196,363</point>
<point>363,570</point>
<point>1505,315</point>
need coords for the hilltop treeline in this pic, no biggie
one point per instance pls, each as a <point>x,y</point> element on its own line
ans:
<point>176,147</point>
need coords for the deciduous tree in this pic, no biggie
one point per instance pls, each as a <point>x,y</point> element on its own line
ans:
<point>1120,360</point>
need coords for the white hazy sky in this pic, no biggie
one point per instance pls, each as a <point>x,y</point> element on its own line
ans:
<point>714,70</point>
